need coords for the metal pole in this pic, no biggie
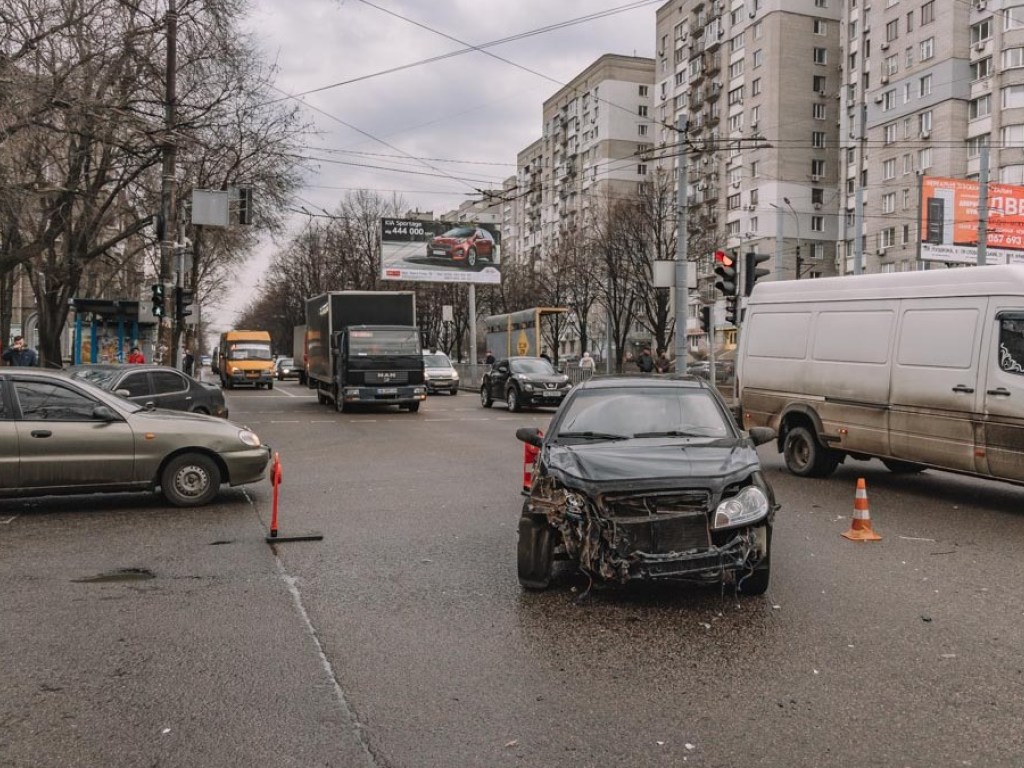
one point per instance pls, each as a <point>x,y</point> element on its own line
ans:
<point>796,218</point>
<point>682,290</point>
<point>472,325</point>
<point>983,207</point>
<point>858,210</point>
<point>168,190</point>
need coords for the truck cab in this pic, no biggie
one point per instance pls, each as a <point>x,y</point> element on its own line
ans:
<point>380,365</point>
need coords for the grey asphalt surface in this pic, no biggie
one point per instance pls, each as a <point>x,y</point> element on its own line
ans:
<point>905,652</point>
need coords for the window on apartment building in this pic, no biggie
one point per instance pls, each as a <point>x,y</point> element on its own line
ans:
<point>892,30</point>
<point>889,202</point>
<point>891,3</point>
<point>890,131</point>
<point>817,196</point>
<point>642,129</point>
<point>908,164</point>
<point>736,44</point>
<point>755,169</point>
<point>905,237</point>
<point>906,198</point>
<point>817,169</point>
<point>695,67</point>
<point>981,31</point>
<point>1012,174</point>
<point>754,224</point>
<point>924,86</point>
<point>818,83</point>
<point>909,58</point>
<point>735,95</point>
<point>753,197</point>
<point>1012,136</point>
<point>887,237</point>
<point>928,12</point>
<point>735,176</point>
<point>758,58</point>
<point>818,111</point>
<point>732,202</point>
<point>817,223</point>
<point>1013,96</point>
<point>927,48</point>
<point>910,22</point>
<point>924,159</point>
<point>736,68</point>
<point>981,68</point>
<point>906,92</point>
<point>821,3</point>
<point>641,170</point>
<point>924,122</point>
<point>664,45</point>
<point>851,155</point>
<point>732,229</point>
<point>819,27</point>
<point>755,87</point>
<point>853,61</point>
<point>975,143</point>
<point>736,16</point>
<point>679,30</point>
<point>679,56</point>
<point>736,122</point>
<point>1013,18</point>
<point>642,110</point>
<point>889,169</point>
<point>889,100</point>
<point>851,30</point>
<point>680,79</point>
<point>891,64</point>
<point>758,30</point>
<point>908,127</point>
<point>850,189</point>
<point>1013,58</point>
<point>820,55</point>
<point>818,139</point>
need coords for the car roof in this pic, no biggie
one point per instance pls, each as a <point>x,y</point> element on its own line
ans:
<point>670,381</point>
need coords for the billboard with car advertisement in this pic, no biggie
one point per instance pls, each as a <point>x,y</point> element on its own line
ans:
<point>949,221</point>
<point>440,251</point>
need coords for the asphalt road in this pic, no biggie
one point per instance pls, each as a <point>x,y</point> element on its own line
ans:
<point>403,639</point>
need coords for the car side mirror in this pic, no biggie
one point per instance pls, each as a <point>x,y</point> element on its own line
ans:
<point>762,435</point>
<point>123,392</point>
<point>530,436</point>
<point>103,413</point>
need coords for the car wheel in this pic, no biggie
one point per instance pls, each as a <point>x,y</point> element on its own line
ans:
<point>270,385</point>
<point>535,553</point>
<point>471,257</point>
<point>903,467</point>
<point>190,480</point>
<point>512,398</point>
<point>202,409</point>
<point>485,397</point>
<point>454,390</point>
<point>805,456</point>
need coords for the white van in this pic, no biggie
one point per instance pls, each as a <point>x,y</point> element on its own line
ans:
<point>918,369</point>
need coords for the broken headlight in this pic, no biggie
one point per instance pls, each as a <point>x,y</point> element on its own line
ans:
<point>746,507</point>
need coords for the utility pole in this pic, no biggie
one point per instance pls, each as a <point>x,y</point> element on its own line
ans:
<point>168,191</point>
<point>983,207</point>
<point>682,280</point>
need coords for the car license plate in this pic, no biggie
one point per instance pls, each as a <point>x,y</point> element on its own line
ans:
<point>387,391</point>
<point>440,253</point>
<point>552,394</point>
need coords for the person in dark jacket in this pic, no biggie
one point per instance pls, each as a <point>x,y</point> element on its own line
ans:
<point>20,354</point>
<point>645,362</point>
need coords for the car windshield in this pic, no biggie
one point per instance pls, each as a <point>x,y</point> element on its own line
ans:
<point>459,232</point>
<point>285,361</point>
<point>250,351</point>
<point>534,365</point>
<point>101,377</point>
<point>642,412</point>
<point>437,361</point>
<point>379,342</point>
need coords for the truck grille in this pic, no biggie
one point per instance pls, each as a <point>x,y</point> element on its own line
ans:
<point>387,378</point>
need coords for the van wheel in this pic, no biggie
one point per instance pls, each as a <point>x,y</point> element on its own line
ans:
<point>535,553</point>
<point>806,457</point>
<point>903,467</point>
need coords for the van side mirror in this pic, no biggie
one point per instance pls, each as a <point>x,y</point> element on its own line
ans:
<point>530,436</point>
<point>762,435</point>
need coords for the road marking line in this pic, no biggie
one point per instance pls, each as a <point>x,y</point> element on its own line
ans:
<point>285,421</point>
<point>439,419</point>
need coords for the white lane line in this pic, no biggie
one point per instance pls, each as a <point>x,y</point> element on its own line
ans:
<point>285,421</point>
<point>438,419</point>
<point>323,421</point>
<point>9,520</point>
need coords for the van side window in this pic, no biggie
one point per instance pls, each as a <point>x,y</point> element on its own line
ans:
<point>1011,346</point>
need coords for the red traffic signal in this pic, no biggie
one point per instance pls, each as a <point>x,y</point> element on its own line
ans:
<point>723,258</point>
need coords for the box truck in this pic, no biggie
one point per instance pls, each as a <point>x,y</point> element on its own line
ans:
<point>919,369</point>
<point>299,351</point>
<point>363,348</point>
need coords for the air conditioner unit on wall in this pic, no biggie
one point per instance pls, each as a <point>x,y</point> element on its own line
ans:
<point>980,45</point>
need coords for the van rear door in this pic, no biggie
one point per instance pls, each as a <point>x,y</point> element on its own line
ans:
<point>1003,381</point>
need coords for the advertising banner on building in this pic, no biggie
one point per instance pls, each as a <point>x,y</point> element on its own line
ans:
<point>949,222</point>
<point>440,251</point>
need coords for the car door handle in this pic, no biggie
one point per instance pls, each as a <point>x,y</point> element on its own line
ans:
<point>962,388</point>
<point>1001,391</point>
<point>41,433</point>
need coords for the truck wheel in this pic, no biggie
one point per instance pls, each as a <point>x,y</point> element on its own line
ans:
<point>535,553</point>
<point>190,480</point>
<point>806,457</point>
<point>903,467</point>
<point>270,385</point>
<point>485,397</point>
<point>321,397</point>
<point>512,398</point>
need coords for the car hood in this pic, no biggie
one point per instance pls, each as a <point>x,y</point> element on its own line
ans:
<point>541,378</point>
<point>651,461</point>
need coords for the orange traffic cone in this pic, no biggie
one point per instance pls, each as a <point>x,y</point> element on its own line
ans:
<point>860,526</point>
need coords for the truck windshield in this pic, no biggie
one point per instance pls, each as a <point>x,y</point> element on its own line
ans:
<point>392,342</point>
<point>249,351</point>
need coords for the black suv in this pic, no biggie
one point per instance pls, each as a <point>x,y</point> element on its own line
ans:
<point>524,382</point>
<point>644,478</point>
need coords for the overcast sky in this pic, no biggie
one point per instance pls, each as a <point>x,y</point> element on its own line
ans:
<point>464,117</point>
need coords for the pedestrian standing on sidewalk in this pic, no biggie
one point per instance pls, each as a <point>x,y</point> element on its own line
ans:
<point>20,354</point>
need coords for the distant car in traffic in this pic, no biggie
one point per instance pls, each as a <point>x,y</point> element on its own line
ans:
<point>439,375</point>
<point>284,368</point>
<point>205,360</point>
<point>647,478</point>
<point>62,435</point>
<point>523,382</point>
<point>155,385</point>
<point>463,245</point>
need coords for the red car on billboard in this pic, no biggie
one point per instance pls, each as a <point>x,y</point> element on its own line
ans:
<point>463,245</point>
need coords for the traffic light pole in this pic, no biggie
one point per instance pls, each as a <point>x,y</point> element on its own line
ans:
<point>168,190</point>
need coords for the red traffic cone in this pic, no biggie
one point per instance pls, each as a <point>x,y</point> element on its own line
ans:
<point>860,526</point>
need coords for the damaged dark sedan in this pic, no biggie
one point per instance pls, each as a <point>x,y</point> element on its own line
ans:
<point>647,478</point>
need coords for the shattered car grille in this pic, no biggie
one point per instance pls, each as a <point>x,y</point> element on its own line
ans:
<point>661,523</point>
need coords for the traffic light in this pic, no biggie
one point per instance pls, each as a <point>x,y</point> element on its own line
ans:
<point>751,272</point>
<point>705,319</point>
<point>725,268</point>
<point>183,298</point>
<point>158,300</point>
<point>732,310</point>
